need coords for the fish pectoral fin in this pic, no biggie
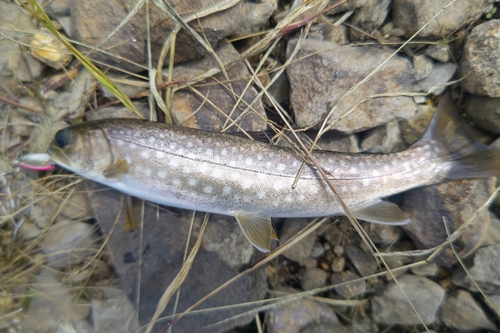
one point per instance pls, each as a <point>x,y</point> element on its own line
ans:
<point>258,230</point>
<point>116,170</point>
<point>383,212</point>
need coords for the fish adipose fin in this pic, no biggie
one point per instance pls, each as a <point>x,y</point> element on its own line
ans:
<point>470,159</point>
<point>382,212</point>
<point>116,170</point>
<point>258,229</point>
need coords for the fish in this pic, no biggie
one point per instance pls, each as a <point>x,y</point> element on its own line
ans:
<point>254,181</point>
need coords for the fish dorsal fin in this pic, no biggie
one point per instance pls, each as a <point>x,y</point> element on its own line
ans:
<point>383,212</point>
<point>116,170</point>
<point>258,229</point>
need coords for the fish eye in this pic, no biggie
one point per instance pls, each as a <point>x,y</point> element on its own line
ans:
<point>62,138</point>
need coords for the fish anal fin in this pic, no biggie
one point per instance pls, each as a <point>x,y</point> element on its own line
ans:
<point>258,229</point>
<point>116,170</point>
<point>382,212</point>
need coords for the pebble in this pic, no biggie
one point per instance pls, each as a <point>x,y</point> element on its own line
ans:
<point>451,19</point>
<point>313,96</point>
<point>383,139</point>
<point>364,262</point>
<point>116,313</point>
<point>254,16</point>
<point>479,64</point>
<point>461,312</point>
<point>435,82</point>
<point>314,278</point>
<point>392,307</point>
<point>348,290</point>
<point>382,234</point>
<point>481,270</point>
<point>438,52</point>
<point>301,250</point>
<point>430,270</point>
<point>338,264</point>
<point>294,316</point>
<point>50,50</point>
<point>484,112</point>
<point>371,15</point>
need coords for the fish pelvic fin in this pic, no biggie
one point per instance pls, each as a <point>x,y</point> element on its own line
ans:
<point>469,158</point>
<point>258,230</point>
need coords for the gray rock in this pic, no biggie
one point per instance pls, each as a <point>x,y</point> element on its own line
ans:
<point>431,270</point>
<point>492,236</point>
<point>456,201</point>
<point>484,112</point>
<point>114,314</point>
<point>191,110</point>
<point>294,316</point>
<point>411,15</point>
<point>413,128</point>
<point>336,69</point>
<point>328,32</point>
<point>347,290</point>
<point>482,270</point>
<point>382,234</point>
<point>337,264</point>
<point>371,15</point>
<point>383,139</point>
<point>348,5</point>
<point>439,76</point>
<point>438,52</point>
<point>422,66</point>
<point>314,278</point>
<point>254,16</point>
<point>479,66</point>
<point>364,262</point>
<point>93,22</point>
<point>163,240</point>
<point>392,307</point>
<point>461,312</point>
<point>301,250</point>
<point>68,243</point>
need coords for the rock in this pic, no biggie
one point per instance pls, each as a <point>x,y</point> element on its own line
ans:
<point>430,269</point>
<point>120,111</point>
<point>345,6</point>
<point>51,304</point>
<point>422,66</point>
<point>484,112</point>
<point>371,15</point>
<point>392,307</point>
<point>78,206</point>
<point>435,82</point>
<point>456,201</point>
<point>328,32</point>
<point>364,262</point>
<point>478,66</point>
<point>301,250</point>
<point>411,15</point>
<point>382,233</point>
<point>163,240</point>
<point>314,278</point>
<point>338,264</point>
<point>93,22</point>
<point>461,312</point>
<point>495,300</point>
<point>68,243</point>
<point>318,250</point>
<point>481,270</point>
<point>336,70</point>
<point>192,110</point>
<point>383,139</point>
<point>413,128</point>
<point>28,230</point>
<point>492,236</point>
<point>347,290</point>
<point>438,52</point>
<point>279,90</point>
<point>254,16</point>
<point>114,314</point>
<point>294,316</point>
<point>29,68</point>
<point>50,50</point>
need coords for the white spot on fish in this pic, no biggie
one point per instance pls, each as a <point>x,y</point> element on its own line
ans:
<point>278,185</point>
<point>375,173</point>
<point>160,154</point>
<point>173,145</point>
<point>289,198</point>
<point>314,190</point>
<point>209,152</point>
<point>295,164</point>
<point>223,152</point>
<point>226,190</point>
<point>208,189</point>
<point>162,175</point>
<point>189,144</point>
<point>233,149</point>
<point>281,167</point>
<point>344,189</point>
<point>249,161</point>
<point>132,146</point>
<point>122,132</point>
<point>232,164</point>
<point>203,168</point>
<point>235,176</point>
<point>148,172</point>
<point>128,159</point>
<point>176,182</point>
<point>261,194</point>
<point>353,170</point>
<point>120,142</point>
<point>217,173</point>
<point>276,203</point>
<point>259,157</point>
<point>151,139</point>
<point>192,182</point>
<point>145,153</point>
<point>162,136</point>
<point>261,176</point>
<point>366,181</point>
<point>247,182</point>
<point>173,163</point>
<point>268,165</point>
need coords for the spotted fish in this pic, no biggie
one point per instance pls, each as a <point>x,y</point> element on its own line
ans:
<point>225,174</point>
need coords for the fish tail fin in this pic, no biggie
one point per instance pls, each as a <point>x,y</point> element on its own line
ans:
<point>469,158</point>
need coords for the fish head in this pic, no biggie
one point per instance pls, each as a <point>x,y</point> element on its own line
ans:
<point>83,148</point>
